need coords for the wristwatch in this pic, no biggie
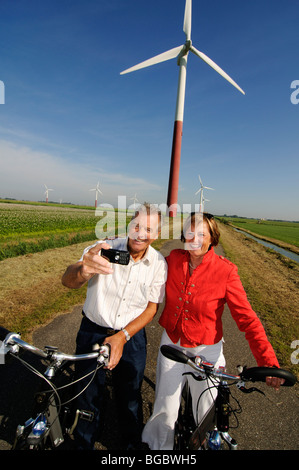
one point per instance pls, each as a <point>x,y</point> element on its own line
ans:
<point>128,337</point>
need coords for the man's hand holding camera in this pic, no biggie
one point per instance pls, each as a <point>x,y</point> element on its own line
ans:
<point>93,263</point>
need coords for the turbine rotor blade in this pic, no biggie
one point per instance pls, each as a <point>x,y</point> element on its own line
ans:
<point>187,19</point>
<point>214,66</point>
<point>171,54</point>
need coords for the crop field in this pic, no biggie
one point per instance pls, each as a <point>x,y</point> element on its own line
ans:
<point>27,221</point>
<point>287,232</point>
<point>31,228</point>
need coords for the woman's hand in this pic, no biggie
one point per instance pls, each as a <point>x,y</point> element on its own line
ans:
<point>274,382</point>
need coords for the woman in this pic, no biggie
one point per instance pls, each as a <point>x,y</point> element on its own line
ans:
<point>199,284</point>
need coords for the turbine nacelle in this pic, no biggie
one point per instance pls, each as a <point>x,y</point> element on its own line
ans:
<point>181,51</point>
<point>184,51</point>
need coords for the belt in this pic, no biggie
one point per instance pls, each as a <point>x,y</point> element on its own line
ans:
<point>110,331</point>
<point>106,330</point>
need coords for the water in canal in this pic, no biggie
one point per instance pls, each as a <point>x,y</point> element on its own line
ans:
<point>282,251</point>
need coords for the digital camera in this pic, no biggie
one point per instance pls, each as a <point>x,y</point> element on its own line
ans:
<point>116,256</point>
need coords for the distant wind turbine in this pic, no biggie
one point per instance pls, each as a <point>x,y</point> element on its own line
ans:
<point>97,190</point>
<point>135,200</point>
<point>47,193</point>
<point>202,199</point>
<point>181,53</point>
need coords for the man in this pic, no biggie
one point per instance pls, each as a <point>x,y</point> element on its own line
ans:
<point>120,302</point>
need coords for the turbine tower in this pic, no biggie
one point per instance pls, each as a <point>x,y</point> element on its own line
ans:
<point>202,199</point>
<point>97,190</point>
<point>47,193</point>
<point>181,53</point>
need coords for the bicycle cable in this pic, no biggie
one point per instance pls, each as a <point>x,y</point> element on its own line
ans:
<point>55,389</point>
<point>41,376</point>
<point>99,366</point>
<point>215,384</point>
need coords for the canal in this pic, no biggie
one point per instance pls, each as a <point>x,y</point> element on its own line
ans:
<point>282,251</point>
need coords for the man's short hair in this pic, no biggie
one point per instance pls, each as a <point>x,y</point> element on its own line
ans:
<point>149,209</point>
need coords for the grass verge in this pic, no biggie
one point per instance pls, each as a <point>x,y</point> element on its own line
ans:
<point>271,284</point>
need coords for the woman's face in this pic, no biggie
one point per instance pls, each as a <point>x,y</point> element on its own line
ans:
<point>198,239</point>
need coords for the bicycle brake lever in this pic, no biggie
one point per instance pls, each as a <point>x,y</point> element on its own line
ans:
<point>198,378</point>
<point>104,354</point>
<point>248,390</point>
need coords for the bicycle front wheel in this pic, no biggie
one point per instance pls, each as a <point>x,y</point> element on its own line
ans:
<point>185,423</point>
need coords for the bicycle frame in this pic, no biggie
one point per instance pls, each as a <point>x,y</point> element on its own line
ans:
<point>215,425</point>
<point>216,422</point>
<point>212,432</point>
<point>48,421</point>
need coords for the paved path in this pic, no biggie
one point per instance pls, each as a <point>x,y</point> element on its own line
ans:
<point>267,422</point>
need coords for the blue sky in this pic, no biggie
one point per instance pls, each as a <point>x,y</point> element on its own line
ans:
<point>69,119</point>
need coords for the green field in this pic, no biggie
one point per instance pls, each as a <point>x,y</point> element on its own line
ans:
<point>287,232</point>
<point>34,227</point>
<point>29,228</point>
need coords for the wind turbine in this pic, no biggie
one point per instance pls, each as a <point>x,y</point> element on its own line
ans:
<point>181,53</point>
<point>97,190</point>
<point>47,193</point>
<point>135,200</point>
<point>202,199</point>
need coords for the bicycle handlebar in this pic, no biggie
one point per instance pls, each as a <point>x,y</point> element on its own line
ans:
<point>3,333</point>
<point>252,374</point>
<point>12,340</point>
<point>259,374</point>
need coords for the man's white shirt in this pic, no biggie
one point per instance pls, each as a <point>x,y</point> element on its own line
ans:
<point>114,300</point>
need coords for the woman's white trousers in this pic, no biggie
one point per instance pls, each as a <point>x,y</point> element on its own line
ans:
<point>158,432</point>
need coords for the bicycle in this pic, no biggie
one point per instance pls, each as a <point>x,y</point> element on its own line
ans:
<point>54,418</point>
<point>213,432</point>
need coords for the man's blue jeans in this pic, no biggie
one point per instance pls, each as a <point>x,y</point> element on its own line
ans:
<point>127,381</point>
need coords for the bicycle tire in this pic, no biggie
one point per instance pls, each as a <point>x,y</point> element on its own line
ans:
<point>185,424</point>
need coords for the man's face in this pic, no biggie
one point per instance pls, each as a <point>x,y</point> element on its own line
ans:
<point>143,230</point>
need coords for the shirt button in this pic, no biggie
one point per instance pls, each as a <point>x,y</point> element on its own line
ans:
<point>189,293</point>
<point>192,285</point>
<point>180,298</point>
<point>186,311</point>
